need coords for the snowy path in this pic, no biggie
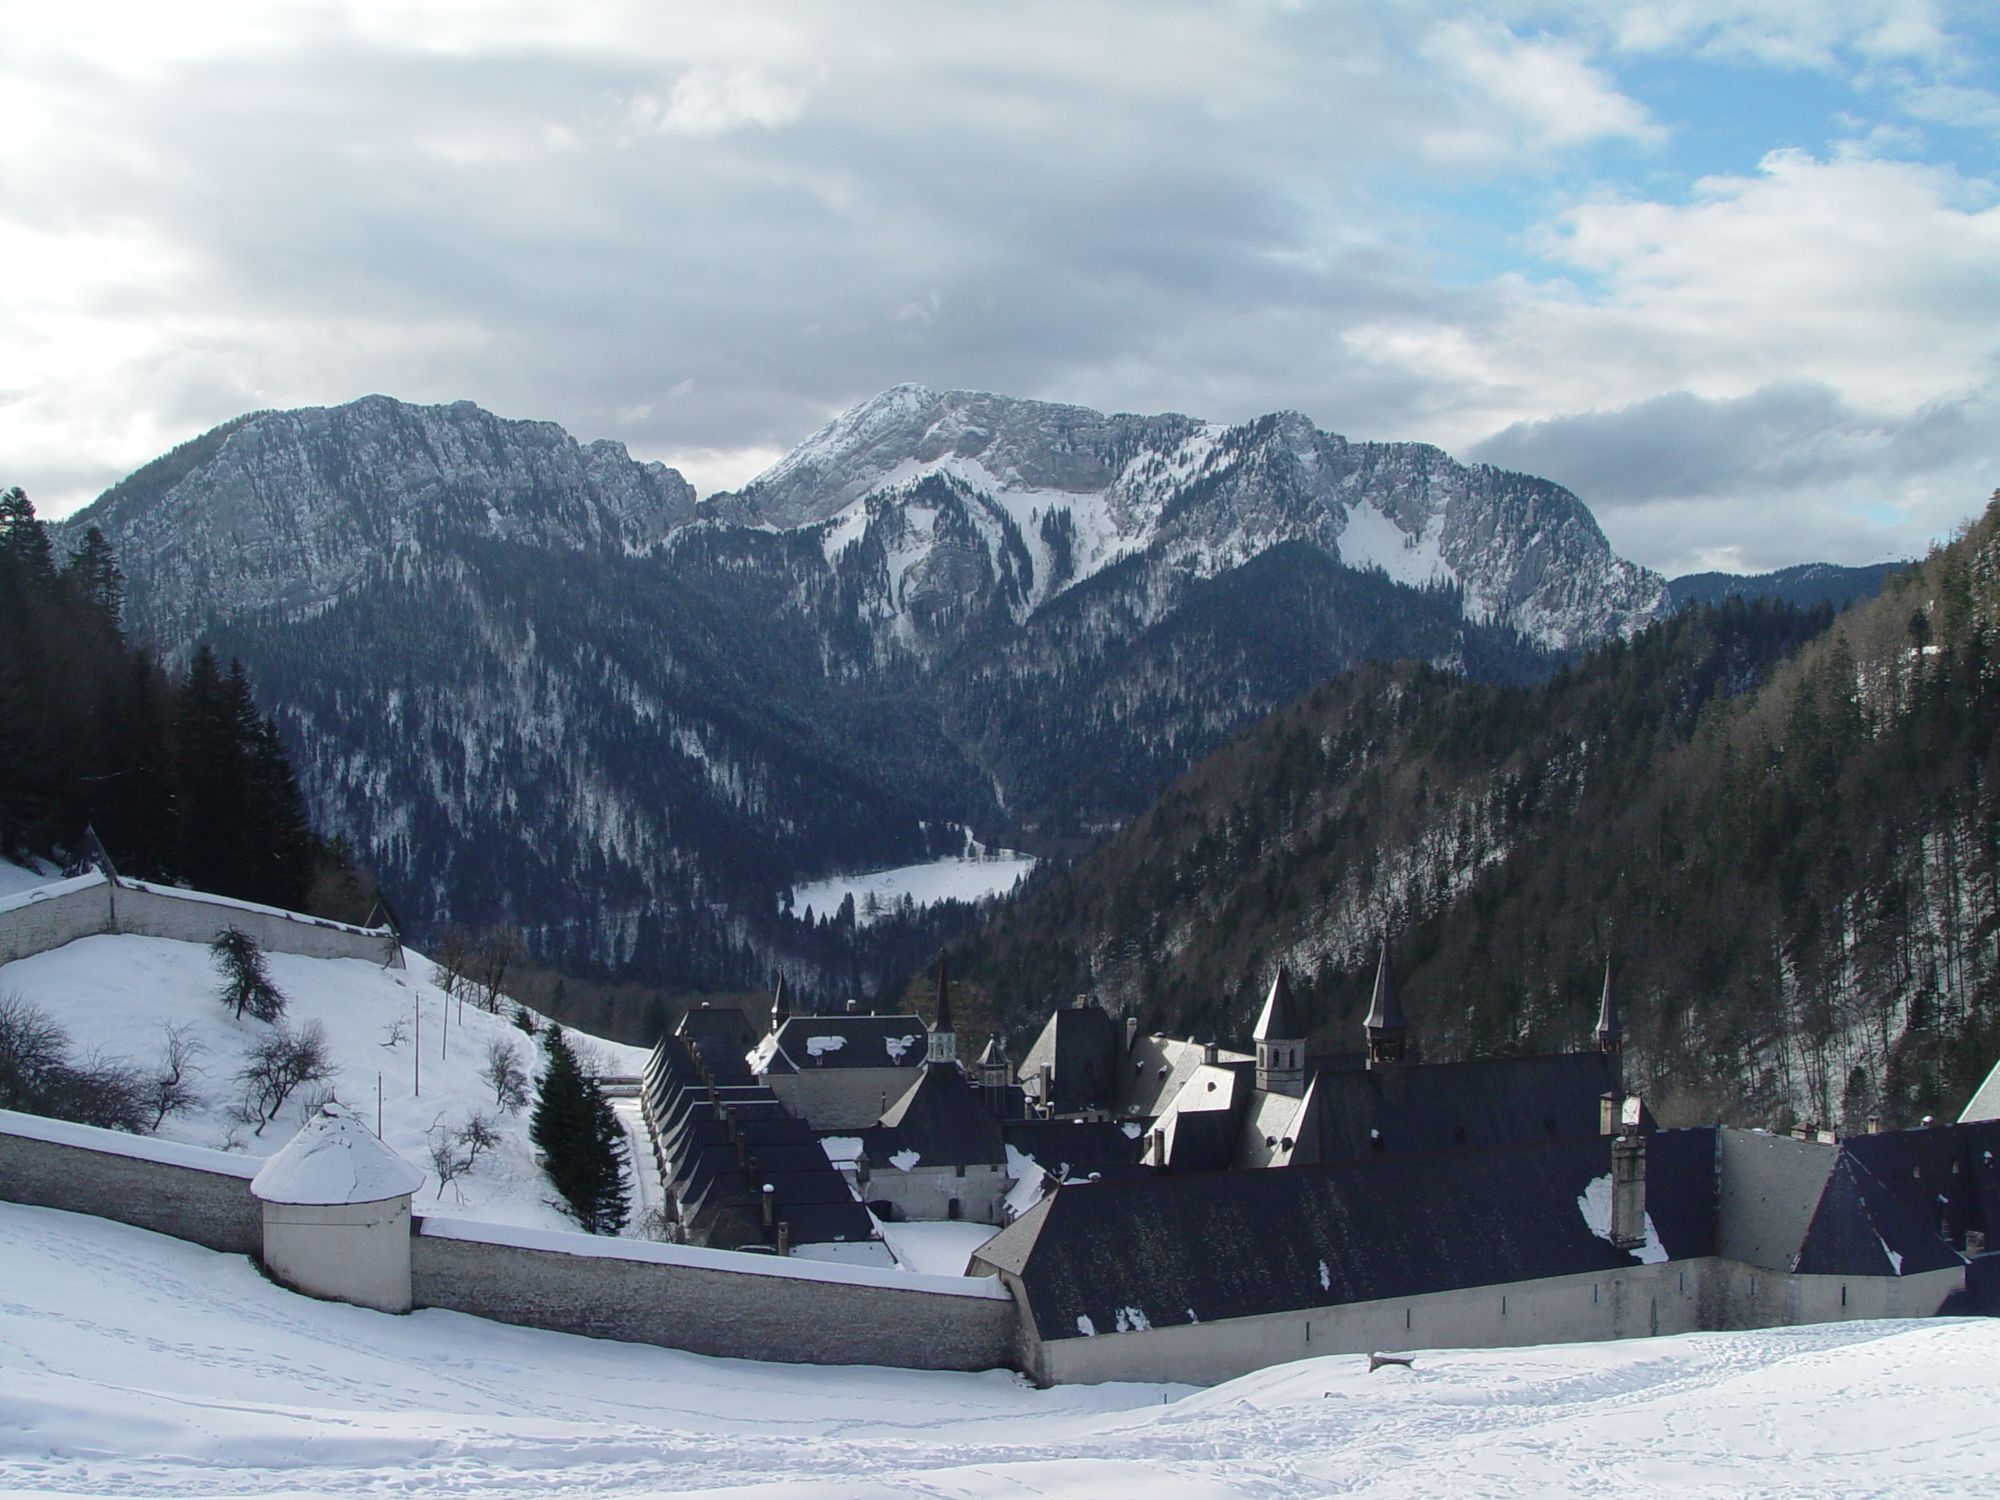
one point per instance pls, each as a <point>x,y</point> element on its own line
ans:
<point>135,1365</point>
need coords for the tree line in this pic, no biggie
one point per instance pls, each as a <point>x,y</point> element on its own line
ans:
<point>178,773</point>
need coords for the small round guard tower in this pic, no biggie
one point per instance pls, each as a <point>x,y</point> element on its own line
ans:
<point>337,1213</point>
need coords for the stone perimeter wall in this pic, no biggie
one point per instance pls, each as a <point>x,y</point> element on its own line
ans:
<point>204,1196</point>
<point>95,905</point>
<point>799,1320</point>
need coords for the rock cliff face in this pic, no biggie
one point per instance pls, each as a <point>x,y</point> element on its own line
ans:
<point>286,510</point>
<point>1058,493</point>
<point>536,682</point>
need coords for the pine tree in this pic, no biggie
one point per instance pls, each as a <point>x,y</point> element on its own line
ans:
<point>581,1141</point>
<point>246,977</point>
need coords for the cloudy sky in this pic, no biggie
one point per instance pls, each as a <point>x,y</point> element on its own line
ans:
<point>1730,269</point>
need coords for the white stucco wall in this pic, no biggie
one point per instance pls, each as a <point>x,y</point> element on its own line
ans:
<point>1672,1297</point>
<point>358,1252</point>
<point>926,1192</point>
<point>91,905</point>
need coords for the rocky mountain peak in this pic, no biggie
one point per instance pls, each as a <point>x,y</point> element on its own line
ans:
<point>286,508</point>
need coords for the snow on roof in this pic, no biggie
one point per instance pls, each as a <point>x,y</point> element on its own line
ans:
<point>335,1159</point>
<point>602,1247</point>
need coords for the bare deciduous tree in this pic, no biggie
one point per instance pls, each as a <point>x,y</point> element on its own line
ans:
<point>171,1090</point>
<point>276,1066</point>
<point>506,1075</point>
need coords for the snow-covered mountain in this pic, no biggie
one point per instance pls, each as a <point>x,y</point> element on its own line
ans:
<point>534,682</point>
<point>1052,495</point>
<point>286,510</point>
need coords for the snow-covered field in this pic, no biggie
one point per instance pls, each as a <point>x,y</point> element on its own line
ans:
<point>118,995</point>
<point>878,892</point>
<point>131,1364</point>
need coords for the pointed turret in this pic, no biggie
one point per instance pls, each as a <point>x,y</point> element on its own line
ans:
<point>944,1041</point>
<point>993,1071</point>
<point>1388,1032</point>
<point>781,1007</point>
<point>1281,1041</point>
<point>1610,1035</point>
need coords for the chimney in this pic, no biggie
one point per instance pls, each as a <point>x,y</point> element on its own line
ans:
<point>1082,1002</point>
<point>1803,1131</point>
<point>1628,1192</point>
<point>1607,1114</point>
<point>861,1170</point>
<point>1048,1088</point>
<point>1874,1124</point>
<point>1159,1146</point>
<point>1211,1052</point>
<point>784,1238</point>
<point>769,1193</point>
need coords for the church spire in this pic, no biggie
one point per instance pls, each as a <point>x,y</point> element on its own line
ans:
<point>1388,1032</point>
<point>781,1007</point>
<point>1610,1035</point>
<point>1281,1041</point>
<point>944,1041</point>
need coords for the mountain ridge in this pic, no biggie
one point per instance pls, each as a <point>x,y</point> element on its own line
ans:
<point>535,682</point>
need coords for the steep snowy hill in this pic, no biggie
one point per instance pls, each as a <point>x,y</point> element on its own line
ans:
<point>137,1365</point>
<point>532,684</point>
<point>120,997</point>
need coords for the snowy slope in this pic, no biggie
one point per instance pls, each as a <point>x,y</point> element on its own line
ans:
<point>132,1364</point>
<point>117,996</point>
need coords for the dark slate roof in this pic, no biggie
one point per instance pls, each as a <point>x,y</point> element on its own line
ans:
<point>722,1135</point>
<point>1452,1106</point>
<point>1279,1020</point>
<point>1908,1194</point>
<point>865,1042</point>
<point>943,1119</point>
<point>1385,1011</point>
<point>721,1035</point>
<point>1175,1249</point>
<point>1076,1148</point>
<point>1084,1043</point>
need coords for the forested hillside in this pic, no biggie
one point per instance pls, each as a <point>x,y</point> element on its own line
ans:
<point>1781,829</point>
<point>179,774</point>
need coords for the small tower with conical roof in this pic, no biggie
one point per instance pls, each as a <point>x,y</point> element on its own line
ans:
<point>1388,1032</point>
<point>1281,1042</point>
<point>944,1041</point>
<point>1610,1035</point>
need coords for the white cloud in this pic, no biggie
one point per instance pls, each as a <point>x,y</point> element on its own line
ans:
<point>1525,94</point>
<point>709,101</point>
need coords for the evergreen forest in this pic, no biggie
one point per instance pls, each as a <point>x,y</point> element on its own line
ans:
<point>178,774</point>
<point>1780,829</point>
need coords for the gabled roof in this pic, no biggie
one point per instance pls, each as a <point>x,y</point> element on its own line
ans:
<point>720,1035</point>
<point>1452,1106</point>
<point>1084,1043</point>
<point>1160,1251</point>
<point>810,1044</point>
<point>1279,1020</point>
<point>941,1118</point>
<point>1076,1148</point>
<point>1919,1190</point>
<point>1156,1068</point>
